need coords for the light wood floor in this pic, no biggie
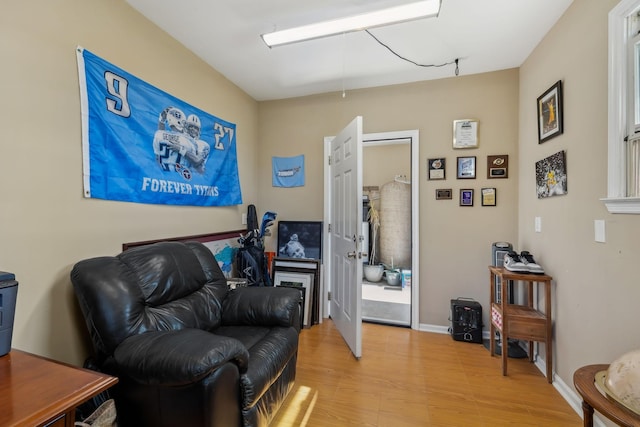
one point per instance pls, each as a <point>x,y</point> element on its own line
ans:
<point>412,378</point>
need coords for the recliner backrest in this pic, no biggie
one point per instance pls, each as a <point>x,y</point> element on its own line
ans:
<point>163,286</point>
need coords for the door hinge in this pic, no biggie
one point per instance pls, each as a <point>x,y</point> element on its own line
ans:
<point>329,296</point>
<point>329,228</point>
<point>329,159</point>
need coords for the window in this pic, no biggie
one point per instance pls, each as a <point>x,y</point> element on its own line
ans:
<point>623,192</point>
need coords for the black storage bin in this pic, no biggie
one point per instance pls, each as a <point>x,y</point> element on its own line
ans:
<point>466,320</point>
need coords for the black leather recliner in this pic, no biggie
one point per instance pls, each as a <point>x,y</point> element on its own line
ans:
<point>187,350</point>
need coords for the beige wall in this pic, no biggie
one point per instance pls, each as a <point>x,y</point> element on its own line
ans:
<point>46,225</point>
<point>596,286</point>
<point>455,242</point>
<point>381,163</point>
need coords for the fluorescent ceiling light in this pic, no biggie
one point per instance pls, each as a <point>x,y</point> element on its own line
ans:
<point>408,12</point>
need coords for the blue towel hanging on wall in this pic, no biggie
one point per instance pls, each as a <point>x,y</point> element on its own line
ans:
<point>288,171</point>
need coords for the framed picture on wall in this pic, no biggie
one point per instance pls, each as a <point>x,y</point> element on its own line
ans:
<point>466,167</point>
<point>498,166</point>
<point>551,176</point>
<point>550,113</point>
<point>466,197</point>
<point>443,194</point>
<point>465,133</point>
<point>437,168</point>
<point>488,196</point>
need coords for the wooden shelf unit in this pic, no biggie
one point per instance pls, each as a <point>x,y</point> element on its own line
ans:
<point>522,322</point>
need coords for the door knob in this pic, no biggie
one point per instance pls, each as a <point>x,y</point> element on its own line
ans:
<point>351,254</point>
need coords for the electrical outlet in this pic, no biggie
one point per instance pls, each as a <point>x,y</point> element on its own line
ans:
<point>538,224</point>
<point>599,231</point>
<point>244,219</point>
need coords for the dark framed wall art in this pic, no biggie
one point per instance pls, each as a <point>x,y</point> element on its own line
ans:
<point>443,193</point>
<point>300,239</point>
<point>466,197</point>
<point>466,167</point>
<point>498,166</point>
<point>436,168</point>
<point>551,175</point>
<point>550,113</point>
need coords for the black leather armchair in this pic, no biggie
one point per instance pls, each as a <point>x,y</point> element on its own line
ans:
<point>187,350</point>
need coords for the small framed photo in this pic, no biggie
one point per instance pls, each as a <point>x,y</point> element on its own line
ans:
<point>443,194</point>
<point>467,167</point>
<point>466,197</point>
<point>498,166</point>
<point>436,168</point>
<point>465,133</point>
<point>488,196</point>
<point>550,113</point>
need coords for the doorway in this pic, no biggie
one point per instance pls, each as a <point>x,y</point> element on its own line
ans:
<point>386,192</point>
<point>407,139</point>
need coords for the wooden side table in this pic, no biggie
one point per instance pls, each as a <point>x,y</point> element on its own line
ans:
<point>520,321</point>
<point>36,391</point>
<point>584,382</point>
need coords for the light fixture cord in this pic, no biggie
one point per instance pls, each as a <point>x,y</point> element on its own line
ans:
<point>457,71</point>
<point>344,55</point>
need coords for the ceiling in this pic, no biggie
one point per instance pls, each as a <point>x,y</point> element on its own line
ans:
<point>484,35</point>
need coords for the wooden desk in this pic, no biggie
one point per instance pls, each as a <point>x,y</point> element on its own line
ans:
<point>36,391</point>
<point>584,382</point>
<point>520,321</point>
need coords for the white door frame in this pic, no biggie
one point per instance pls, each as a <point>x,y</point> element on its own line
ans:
<point>383,138</point>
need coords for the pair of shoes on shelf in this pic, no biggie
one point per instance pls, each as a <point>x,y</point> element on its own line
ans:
<point>522,263</point>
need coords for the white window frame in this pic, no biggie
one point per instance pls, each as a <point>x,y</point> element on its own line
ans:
<point>620,109</point>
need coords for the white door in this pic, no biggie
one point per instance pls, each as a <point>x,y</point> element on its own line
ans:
<point>345,234</point>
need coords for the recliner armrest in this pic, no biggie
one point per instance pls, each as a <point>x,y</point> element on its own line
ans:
<point>262,306</point>
<point>177,357</point>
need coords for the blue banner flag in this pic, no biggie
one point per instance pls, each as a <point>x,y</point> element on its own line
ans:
<point>288,171</point>
<point>143,145</point>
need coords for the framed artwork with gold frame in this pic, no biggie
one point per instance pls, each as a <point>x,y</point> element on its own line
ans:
<point>465,133</point>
